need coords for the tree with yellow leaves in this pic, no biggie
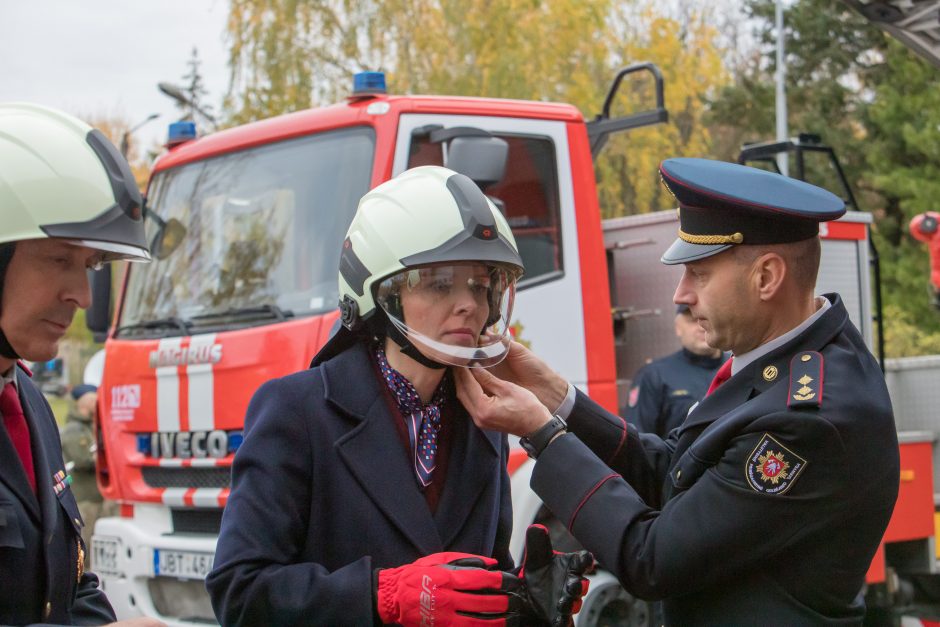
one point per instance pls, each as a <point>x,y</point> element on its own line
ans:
<point>292,54</point>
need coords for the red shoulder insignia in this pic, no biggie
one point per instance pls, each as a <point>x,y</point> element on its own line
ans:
<point>806,380</point>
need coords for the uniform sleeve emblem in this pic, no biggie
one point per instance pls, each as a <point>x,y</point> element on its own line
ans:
<point>634,396</point>
<point>772,468</point>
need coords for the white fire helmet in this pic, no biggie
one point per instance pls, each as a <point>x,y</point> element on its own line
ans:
<point>437,257</point>
<point>61,178</point>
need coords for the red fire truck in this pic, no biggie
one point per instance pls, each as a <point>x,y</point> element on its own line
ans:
<point>246,226</point>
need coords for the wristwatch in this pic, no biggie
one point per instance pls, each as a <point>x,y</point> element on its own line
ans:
<point>535,442</point>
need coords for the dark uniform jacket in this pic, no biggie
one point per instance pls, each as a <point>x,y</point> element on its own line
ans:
<point>664,390</point>
<point>323,494</point>
<point>753,512</point>
<point>40,535</point>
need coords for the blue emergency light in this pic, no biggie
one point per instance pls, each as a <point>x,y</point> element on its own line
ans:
<point>180,132</point>
<point>368,83</point>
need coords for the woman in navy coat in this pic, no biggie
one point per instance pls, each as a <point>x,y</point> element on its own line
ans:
<point>367,461</point>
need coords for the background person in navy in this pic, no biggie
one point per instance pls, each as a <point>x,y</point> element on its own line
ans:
<point>361,479</point>
<point>767,505</point>
<point>665,389</point>
<point>68,203</point>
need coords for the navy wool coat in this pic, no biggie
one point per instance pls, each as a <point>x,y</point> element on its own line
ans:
<point>323,494</point>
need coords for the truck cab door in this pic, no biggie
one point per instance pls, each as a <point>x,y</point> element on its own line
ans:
<point>537,197</point>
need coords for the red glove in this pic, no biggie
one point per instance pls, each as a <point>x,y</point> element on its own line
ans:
<point>448,589</point>
<point>554,582</point>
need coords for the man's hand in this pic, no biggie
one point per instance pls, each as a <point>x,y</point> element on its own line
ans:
<point>499,405</point>
<point>522,367</point>
<point>448,589</point>
<point>554,582</point>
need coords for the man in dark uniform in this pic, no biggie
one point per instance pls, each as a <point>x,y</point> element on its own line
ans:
<point>665,389</point>
<point>69,203</point>
<point>767,505</point>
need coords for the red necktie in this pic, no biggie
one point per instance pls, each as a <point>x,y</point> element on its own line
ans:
<point>15,423</point>
<point>723,374</point>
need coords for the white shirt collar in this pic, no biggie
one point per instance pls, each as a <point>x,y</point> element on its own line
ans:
<point>742,361</point>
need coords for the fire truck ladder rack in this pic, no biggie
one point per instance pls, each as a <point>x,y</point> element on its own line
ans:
<point>601,127</point>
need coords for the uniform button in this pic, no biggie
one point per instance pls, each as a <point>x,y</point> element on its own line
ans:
<point>77,522</point>
<point>805,358</point>
<point>678,474</point>
<point>47,610</point>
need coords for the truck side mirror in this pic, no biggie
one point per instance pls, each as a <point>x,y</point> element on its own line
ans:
<point>167,238</point>
<point>483,159</point>
<point>98,315</point>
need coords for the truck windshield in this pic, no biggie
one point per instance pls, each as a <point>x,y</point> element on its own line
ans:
<point>264,227</point>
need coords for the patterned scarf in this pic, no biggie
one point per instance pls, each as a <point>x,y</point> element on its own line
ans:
<point>423,421</point>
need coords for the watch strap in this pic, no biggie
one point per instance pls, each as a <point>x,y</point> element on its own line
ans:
<point>535,442</point>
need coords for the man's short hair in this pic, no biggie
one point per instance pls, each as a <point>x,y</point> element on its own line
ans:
<point>802,258</point>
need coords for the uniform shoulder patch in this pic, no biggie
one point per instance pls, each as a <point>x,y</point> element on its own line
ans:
<point>806,380</point>
<point>771,467</point>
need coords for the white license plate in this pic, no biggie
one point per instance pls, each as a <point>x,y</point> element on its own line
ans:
<point>183,564</point>
<point>104,555</point>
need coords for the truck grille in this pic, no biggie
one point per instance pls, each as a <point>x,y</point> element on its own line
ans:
<point>163,477</point>
<point>197,520</point>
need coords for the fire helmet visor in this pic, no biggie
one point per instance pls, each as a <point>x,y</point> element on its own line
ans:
<point>456,314</point>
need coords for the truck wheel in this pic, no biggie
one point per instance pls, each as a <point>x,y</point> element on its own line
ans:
<point>607,604</point>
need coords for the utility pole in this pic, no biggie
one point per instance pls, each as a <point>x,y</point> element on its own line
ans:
<point>781,77</point>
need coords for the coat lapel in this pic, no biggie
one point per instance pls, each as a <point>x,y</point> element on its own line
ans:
<point>473,455</point>
<point>11,470</point>
<point>372,449</point>
<point>48,503</point>
<point>733,393</point>
<point>38,429</point>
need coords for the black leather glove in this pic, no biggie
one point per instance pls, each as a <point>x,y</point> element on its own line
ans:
<point>554,582</point>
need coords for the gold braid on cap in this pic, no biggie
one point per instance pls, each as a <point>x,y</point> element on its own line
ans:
<point>734,238</point>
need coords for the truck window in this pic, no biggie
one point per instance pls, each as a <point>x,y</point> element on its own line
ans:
<point>264,228</point>
<point>527,195</point>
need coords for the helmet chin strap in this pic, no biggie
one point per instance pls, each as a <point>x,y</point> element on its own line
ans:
<point>6,254</point>
<point>5,349</point>
<point>408,348</point>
